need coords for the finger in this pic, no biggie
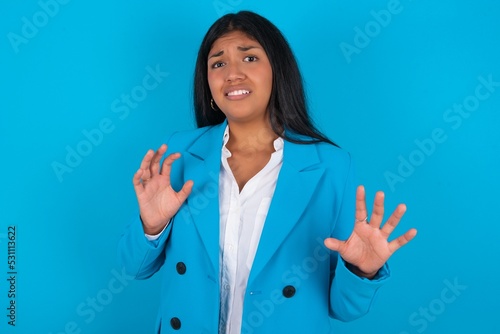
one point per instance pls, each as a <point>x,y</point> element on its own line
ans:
<point>393,220</point>
<point>185,191</point>
<point>334,244</point>
<point>167,164</point>
<point>399,242</point>
<point>145,163</point>
<point>155,161</point>
<point>378,210</point>
<point>360,204</point>
<point>136,181</point>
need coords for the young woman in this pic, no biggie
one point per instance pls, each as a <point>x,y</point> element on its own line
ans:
<point>251,215</point>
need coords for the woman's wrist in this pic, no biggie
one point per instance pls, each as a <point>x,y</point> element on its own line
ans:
<point>153,230</point>
<point>358,272</point>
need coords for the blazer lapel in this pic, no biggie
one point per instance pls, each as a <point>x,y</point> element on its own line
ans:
<point>298,178</point>
<point>202,164</point>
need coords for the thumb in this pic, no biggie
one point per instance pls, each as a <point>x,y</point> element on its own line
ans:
<point>185,191</point>
<point>333,244</point>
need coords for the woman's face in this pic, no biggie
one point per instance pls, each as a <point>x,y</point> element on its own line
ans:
<point>240,77</point>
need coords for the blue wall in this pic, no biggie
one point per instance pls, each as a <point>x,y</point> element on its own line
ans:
<point>411,88</point>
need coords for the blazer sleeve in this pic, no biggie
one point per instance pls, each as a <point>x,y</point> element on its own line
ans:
<point>351,296</point>
<point>140,257</point>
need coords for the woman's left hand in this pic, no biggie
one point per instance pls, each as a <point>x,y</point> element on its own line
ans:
<point>368,248</point>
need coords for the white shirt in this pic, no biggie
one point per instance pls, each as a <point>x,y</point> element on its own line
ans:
<point>242,217</point>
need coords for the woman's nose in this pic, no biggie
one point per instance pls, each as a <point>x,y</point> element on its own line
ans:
<point>234,72</point>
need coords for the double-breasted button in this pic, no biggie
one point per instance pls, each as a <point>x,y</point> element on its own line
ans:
<point>289,291</point>
<point>175,323</point>
<point>181,268</point>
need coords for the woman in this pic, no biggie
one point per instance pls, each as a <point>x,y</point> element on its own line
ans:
<point>240,211</point>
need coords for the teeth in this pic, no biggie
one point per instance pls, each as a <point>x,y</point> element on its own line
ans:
<point>238,92</point>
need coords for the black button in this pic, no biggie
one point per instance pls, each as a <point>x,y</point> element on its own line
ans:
<point>181,268</point>
<point>175,323</point>
<point>288,291</point>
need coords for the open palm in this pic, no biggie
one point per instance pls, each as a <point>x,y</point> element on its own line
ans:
<point>158,201</point>
<point>368,248</point>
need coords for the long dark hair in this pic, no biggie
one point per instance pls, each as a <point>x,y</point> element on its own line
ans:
<point>287,105</point>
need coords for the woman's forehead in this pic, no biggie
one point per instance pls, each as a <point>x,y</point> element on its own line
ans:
<point>234,38</point>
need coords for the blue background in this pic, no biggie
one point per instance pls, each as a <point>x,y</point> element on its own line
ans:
<point>378,102</point>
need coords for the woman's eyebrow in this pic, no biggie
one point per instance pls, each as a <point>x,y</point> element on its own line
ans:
<point>218,54</point>
<point>240,48</point>
<point>246,48</point>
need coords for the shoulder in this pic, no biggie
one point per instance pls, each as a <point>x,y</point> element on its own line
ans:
<point>333,155</point>
<point>340,170</point>
<point>181,140</point>
<point>335,162</point>
<point>326,153</point>
<point>323,153</point>
<point>187,136</point>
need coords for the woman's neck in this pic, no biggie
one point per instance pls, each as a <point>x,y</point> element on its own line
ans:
<point>251,137</point>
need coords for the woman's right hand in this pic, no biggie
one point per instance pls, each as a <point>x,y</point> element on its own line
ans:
<point>158,201</point>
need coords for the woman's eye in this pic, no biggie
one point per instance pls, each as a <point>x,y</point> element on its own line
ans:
<point>251,58</point>
<point>217,65</point>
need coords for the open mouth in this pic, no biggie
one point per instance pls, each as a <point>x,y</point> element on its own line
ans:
<point>238,92</point>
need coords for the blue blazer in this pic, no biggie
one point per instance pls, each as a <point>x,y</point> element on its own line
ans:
<point>296,285</point>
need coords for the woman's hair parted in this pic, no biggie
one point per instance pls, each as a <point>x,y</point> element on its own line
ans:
<point>287,105</point>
